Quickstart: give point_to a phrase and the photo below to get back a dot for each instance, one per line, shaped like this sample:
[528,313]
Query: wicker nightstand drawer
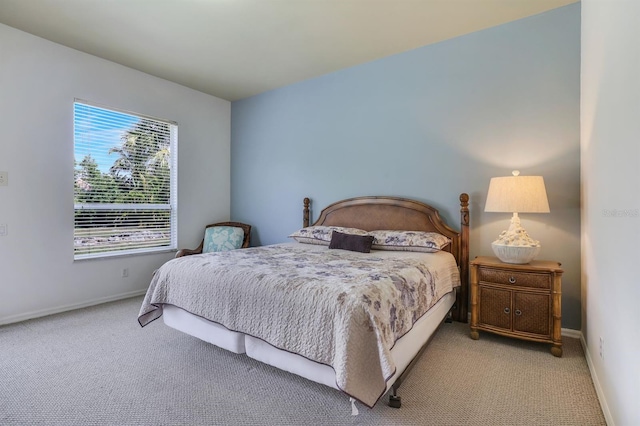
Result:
[522,279]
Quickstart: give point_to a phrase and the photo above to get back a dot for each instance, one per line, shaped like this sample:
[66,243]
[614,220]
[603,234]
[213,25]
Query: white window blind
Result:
[125,182]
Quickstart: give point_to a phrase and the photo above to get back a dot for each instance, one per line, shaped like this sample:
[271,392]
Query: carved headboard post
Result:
[305,213]
[464,257]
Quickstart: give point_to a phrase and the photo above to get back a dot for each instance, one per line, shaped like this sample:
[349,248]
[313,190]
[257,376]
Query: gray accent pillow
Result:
[322,234]
[360,243]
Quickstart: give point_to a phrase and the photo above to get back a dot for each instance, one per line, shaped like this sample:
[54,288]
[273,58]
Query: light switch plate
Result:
[4,178]
[4,229]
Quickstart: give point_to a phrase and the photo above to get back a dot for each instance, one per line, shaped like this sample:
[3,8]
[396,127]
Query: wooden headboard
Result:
[393,213]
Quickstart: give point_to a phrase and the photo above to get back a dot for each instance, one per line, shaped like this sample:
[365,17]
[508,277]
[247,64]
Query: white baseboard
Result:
[570,332]
[50,311]
[596,384]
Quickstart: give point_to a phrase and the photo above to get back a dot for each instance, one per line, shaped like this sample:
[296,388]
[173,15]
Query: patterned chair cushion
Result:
[222,238]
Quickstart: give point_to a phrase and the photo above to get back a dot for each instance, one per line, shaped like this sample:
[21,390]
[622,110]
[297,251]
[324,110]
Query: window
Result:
[124,184]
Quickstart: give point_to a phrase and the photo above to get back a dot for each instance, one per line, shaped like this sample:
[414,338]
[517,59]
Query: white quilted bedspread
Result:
[339,308]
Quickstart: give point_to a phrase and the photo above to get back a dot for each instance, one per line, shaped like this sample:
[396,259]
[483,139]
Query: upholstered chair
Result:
[221,236]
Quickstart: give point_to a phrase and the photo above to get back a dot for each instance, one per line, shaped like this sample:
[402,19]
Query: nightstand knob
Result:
[512,279]
[518,312]
[507,310]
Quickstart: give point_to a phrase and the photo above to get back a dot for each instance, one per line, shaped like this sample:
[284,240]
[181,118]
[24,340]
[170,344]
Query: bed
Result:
[349,320]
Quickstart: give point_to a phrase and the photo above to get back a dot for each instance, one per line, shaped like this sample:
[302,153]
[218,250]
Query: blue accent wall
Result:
[426,124]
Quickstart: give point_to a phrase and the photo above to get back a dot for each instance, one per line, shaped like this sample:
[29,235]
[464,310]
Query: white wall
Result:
[610,156]
[38,83]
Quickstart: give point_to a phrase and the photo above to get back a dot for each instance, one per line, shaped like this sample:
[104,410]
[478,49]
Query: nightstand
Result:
[522,301]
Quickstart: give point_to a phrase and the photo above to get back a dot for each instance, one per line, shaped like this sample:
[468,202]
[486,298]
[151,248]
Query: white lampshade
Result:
[517,194]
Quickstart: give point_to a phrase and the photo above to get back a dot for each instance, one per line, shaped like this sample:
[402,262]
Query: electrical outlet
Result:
[4,229]
[125,272]
[601,348]
[4,178]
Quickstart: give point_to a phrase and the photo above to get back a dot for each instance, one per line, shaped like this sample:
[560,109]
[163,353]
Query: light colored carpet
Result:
[96,366]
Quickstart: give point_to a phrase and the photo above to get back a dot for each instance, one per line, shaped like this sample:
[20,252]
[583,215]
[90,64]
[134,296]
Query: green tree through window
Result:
[124,196]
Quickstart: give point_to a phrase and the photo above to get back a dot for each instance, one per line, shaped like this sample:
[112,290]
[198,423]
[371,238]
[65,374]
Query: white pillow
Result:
[427,242]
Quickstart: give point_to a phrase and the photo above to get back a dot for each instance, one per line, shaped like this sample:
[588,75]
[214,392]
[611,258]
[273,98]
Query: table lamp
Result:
[516,194]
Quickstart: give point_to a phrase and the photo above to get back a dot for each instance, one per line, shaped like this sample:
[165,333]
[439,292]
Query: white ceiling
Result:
[238,48]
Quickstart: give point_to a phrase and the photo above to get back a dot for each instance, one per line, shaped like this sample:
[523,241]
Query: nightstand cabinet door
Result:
[531,313]
[496,308]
